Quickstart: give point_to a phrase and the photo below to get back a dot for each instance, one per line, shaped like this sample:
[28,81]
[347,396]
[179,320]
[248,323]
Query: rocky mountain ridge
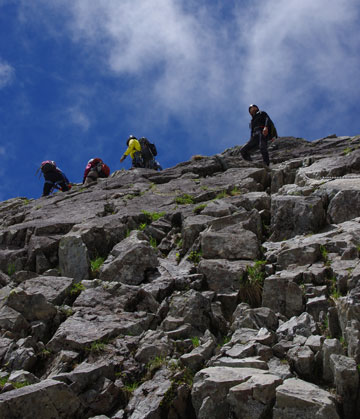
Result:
[218,288]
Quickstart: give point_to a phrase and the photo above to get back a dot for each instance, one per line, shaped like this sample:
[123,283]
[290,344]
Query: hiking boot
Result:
[246,156]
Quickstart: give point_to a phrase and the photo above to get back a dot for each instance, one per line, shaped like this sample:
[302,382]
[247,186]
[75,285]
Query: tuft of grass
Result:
[154,365]
[184,199]
[251,284]
[96,347]
[235,191]
[142,226]
[3,381]
[199,208]
[195,341]
[131,387]
[76,288]
[11,269]
[197,157]
[153,242]
[195,257]
[347,151]
[325,255]
[96,264]
[20,385]
[334,292]
[154,216]
[221,195]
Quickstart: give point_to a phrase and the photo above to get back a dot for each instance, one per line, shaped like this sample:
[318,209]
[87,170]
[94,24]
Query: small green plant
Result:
[96,347]
[343,343]
[67,311]
[153,242]
[154,216]
[21,384]
[45,353]
[155,364]
[324,326]
[76,288]
[179,243]
[26,201]
[96,264]
[195,341]
[347,151]
[128,232]
[204,188]
[334,293]
[11,269]
[221,195]
[235,191]
[178,257]
[131,387]
[184,199]
[195,257]
[224,341]
[251,283]
[3,381]
[199,208]
[325,255]
[142,226]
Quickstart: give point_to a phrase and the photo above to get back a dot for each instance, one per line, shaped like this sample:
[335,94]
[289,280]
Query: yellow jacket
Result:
[133,147]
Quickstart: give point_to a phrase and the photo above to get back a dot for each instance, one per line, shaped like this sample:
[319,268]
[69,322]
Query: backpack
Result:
[272,131]
[148,150]
[48,166]
[105,170]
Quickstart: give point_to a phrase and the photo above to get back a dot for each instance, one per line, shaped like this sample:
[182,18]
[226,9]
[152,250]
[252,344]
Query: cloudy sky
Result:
[78,76]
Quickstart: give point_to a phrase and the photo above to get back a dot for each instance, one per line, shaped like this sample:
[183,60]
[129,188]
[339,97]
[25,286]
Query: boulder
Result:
[283,295]
[303,325]
[211,388]
[346,380]
[240,244]
[74,261]
[129,261]
[293,215]
[297,398]
[47,399]
[254,398]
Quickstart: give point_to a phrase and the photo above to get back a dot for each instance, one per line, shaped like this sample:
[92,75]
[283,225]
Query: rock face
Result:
[213,289]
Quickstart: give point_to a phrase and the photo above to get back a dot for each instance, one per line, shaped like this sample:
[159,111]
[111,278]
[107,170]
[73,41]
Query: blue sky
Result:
[78,76]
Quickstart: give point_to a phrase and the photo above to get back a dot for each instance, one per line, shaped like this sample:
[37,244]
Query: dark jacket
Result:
[259,121]
[55,178]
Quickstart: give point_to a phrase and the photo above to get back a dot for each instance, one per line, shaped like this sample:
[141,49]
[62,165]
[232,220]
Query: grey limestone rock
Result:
[297,398]
[129,261]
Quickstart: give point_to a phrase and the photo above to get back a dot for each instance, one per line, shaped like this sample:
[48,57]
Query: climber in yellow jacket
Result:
[134,149]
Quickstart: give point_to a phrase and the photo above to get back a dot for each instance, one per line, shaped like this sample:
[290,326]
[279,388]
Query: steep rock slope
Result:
[217,288]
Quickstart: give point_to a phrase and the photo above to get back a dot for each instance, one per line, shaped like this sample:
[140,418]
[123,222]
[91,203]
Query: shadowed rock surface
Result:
[217,288]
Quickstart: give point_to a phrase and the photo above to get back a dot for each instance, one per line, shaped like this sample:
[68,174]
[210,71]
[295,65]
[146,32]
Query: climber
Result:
[260,125]
[54,178]
[94,169]
[134,149]
[148,153]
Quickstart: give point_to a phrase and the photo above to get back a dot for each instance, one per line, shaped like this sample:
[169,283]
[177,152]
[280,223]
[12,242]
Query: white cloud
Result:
[187,61]
[297,49]
[7,74]
[78,117]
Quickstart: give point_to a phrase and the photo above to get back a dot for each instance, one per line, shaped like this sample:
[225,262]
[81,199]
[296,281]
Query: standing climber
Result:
[54,178]
[148,153]
[94,169]
[134,149]
[260,128]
